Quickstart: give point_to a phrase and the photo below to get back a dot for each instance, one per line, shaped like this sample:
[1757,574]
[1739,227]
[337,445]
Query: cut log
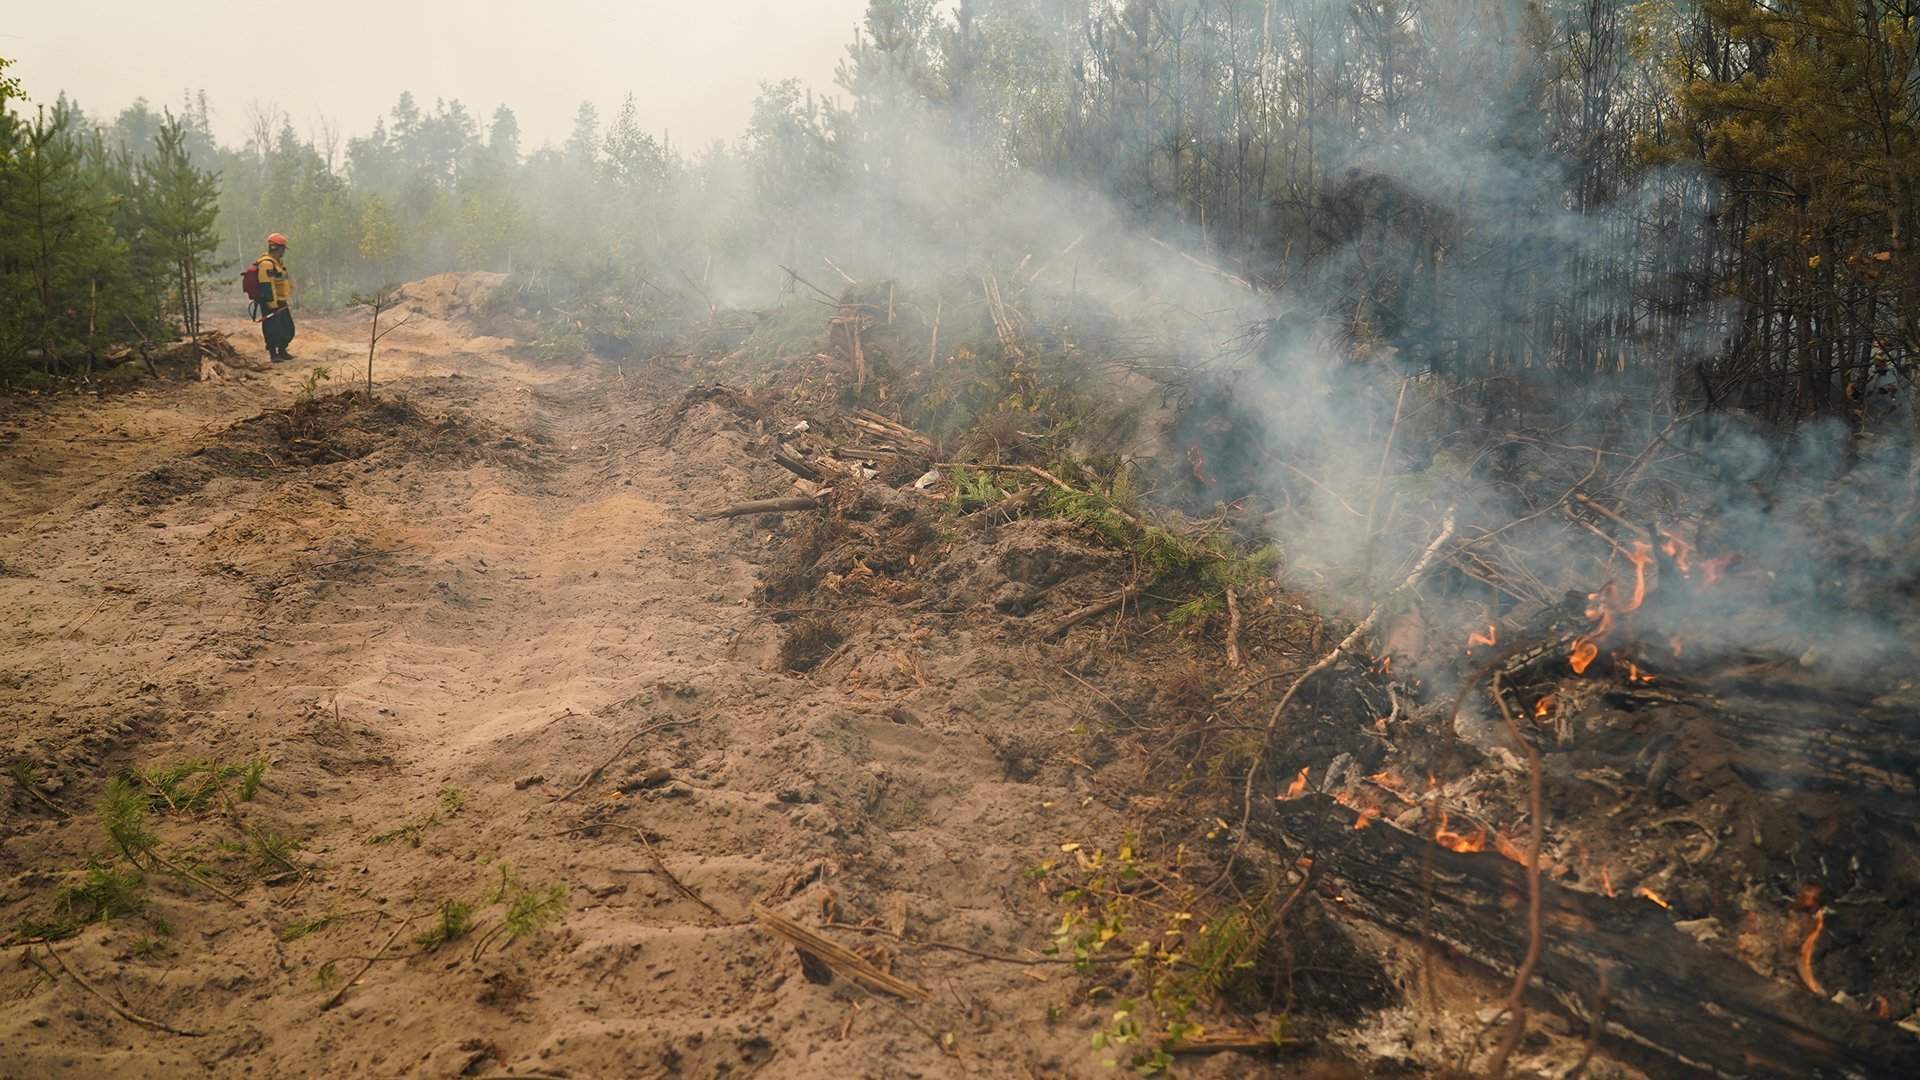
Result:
[797,467]
[1674,1004]
[761,506]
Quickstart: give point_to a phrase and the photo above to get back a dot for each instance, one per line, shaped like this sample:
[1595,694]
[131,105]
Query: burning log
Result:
[1674,1004]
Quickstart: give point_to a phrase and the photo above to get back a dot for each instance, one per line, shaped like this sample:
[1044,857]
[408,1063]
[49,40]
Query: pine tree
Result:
[58,242]
[180,206]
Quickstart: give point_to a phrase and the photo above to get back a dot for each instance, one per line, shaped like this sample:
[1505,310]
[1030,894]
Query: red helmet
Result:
[276,240]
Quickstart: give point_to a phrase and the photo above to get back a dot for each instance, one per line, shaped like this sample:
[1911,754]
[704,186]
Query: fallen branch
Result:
[340,994]
[761,506]
[125,1013]
[182,871]
[795,276]
[659,864]
[1091,611]
[797,467]
[842,960]
[1223,1042]
[602,767]
[1207,266]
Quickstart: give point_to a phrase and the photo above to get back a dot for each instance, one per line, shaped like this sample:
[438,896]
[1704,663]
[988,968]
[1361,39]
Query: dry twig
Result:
[340,994]
[1234,660]
[125,1013]
[602,767]
[836,956]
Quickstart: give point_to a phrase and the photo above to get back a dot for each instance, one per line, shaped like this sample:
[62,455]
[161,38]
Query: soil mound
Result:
[451,296]
[353,425]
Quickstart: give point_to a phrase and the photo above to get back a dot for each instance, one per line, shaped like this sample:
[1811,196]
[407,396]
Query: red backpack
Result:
[250,281]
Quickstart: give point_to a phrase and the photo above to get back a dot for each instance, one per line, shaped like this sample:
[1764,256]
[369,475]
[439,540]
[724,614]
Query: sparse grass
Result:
[192,786]
[973,489]
[1199,566]
[310,385]
[455,922]
[529,909]
[113,886]
[452,801]
[103,894]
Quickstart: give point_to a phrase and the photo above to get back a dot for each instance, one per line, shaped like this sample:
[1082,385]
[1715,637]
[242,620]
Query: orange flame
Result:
[1543,708]
[1299,785]
[1679,551]
[1600,610]
[1491,637]
[1713,569]
[1584,654]
[1367,814]
[1642,890]
[1634,674]
[1453,841]
[1806,952]
[1606,882]
[1642,556]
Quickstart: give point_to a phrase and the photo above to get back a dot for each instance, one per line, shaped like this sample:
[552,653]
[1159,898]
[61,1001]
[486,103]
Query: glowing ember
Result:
[1453,841]
[1809,898]
[1634,674]
[1491,637]
[1606,882]
[1806,952]
[1585,652]
[1367,814]
[1299,785]
[1642,890]
[1543,708]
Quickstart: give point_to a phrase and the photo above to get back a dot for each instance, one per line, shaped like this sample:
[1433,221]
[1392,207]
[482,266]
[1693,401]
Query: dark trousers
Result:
[277,328]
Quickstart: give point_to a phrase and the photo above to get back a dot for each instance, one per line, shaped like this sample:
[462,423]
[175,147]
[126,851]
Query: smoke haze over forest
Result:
[694,66]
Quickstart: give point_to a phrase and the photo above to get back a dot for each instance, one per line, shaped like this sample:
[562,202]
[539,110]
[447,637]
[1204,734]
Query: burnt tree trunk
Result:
[1674,1005]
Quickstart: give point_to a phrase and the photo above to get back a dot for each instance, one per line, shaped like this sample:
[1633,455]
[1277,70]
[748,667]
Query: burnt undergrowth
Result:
[1608,572]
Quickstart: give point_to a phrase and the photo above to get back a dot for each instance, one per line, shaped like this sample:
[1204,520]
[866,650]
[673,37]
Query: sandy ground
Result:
[407,631]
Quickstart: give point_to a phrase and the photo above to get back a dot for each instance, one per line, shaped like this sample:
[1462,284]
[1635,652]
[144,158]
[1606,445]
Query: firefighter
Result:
[275,292]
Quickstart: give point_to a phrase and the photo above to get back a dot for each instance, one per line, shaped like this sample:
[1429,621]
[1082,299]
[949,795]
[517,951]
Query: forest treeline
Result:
[1714,198]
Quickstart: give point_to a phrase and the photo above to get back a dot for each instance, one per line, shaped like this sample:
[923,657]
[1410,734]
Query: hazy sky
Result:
[694,65]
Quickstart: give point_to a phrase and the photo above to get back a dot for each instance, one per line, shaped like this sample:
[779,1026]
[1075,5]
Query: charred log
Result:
[1673,1003]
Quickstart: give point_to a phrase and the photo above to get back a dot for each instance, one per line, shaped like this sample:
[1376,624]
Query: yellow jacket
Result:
[276,285]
